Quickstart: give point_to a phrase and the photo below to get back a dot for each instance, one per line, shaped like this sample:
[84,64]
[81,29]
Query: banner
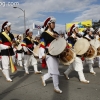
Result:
[82,25]
[13,67]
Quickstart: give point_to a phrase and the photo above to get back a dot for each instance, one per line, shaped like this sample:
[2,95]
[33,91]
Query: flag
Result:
[35,26]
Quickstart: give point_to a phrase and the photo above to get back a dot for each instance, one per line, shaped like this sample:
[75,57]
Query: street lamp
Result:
[24,19]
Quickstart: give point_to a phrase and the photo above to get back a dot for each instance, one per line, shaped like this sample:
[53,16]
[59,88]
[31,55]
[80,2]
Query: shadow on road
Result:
[13,87]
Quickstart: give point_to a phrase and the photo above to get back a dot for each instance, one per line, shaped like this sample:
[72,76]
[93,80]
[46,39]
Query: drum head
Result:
[36,51]
[67,56]
[81,46]
[57,46]
[95,43]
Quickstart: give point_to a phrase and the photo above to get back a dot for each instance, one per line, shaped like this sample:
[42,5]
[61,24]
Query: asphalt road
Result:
[29,87]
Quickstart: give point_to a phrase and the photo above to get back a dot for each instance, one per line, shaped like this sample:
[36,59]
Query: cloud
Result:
[37,9]
[91,13]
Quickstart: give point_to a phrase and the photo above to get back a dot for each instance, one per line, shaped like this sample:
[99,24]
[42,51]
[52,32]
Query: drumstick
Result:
[49,50]
[34,53]
[31,50]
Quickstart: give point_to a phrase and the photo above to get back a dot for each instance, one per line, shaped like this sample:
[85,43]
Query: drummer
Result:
[0,59]
[52,63]
[77,64]
[98,37]
[19,52]
[28,47]
[37,40]
[89,36]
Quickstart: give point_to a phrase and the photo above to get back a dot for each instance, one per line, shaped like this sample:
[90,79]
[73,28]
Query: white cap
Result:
[91,29]
[76,26]
[49,20]
[98,30]
[52,20]
[20,35]
[30,30]
[8,24]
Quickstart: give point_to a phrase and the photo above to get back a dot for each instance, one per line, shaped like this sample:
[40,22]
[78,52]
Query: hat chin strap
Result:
[51,28]
[75,31]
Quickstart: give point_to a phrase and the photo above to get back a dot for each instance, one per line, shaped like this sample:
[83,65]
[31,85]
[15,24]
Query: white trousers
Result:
[91,67]
[90,64]
[54,78]
[30,60]
[5,66]
[80,73]
[77,64]
[99,61]
[52,64]
[0,66]
[5,62]
[19,59]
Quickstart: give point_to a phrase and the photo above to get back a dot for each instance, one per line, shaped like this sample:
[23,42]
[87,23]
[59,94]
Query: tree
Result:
[96,24]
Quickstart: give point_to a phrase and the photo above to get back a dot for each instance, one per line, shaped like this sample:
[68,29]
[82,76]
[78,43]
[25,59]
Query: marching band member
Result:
[98,37]
[28,55]
[19,52]
[77,64]
[37,40]
[89,36]
[66,36]
[6,39]
[52,63]
[0,61]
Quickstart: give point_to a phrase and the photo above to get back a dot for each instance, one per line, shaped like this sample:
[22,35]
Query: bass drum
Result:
[81,46]
[67,56]
[36,51]
[57,46]
[98,51]
[91,53]
[95,43]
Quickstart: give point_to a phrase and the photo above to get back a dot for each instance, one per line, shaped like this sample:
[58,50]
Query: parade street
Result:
[29,87]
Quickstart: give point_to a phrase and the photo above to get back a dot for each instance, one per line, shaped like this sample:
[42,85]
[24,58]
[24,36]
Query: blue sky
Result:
[65,11]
